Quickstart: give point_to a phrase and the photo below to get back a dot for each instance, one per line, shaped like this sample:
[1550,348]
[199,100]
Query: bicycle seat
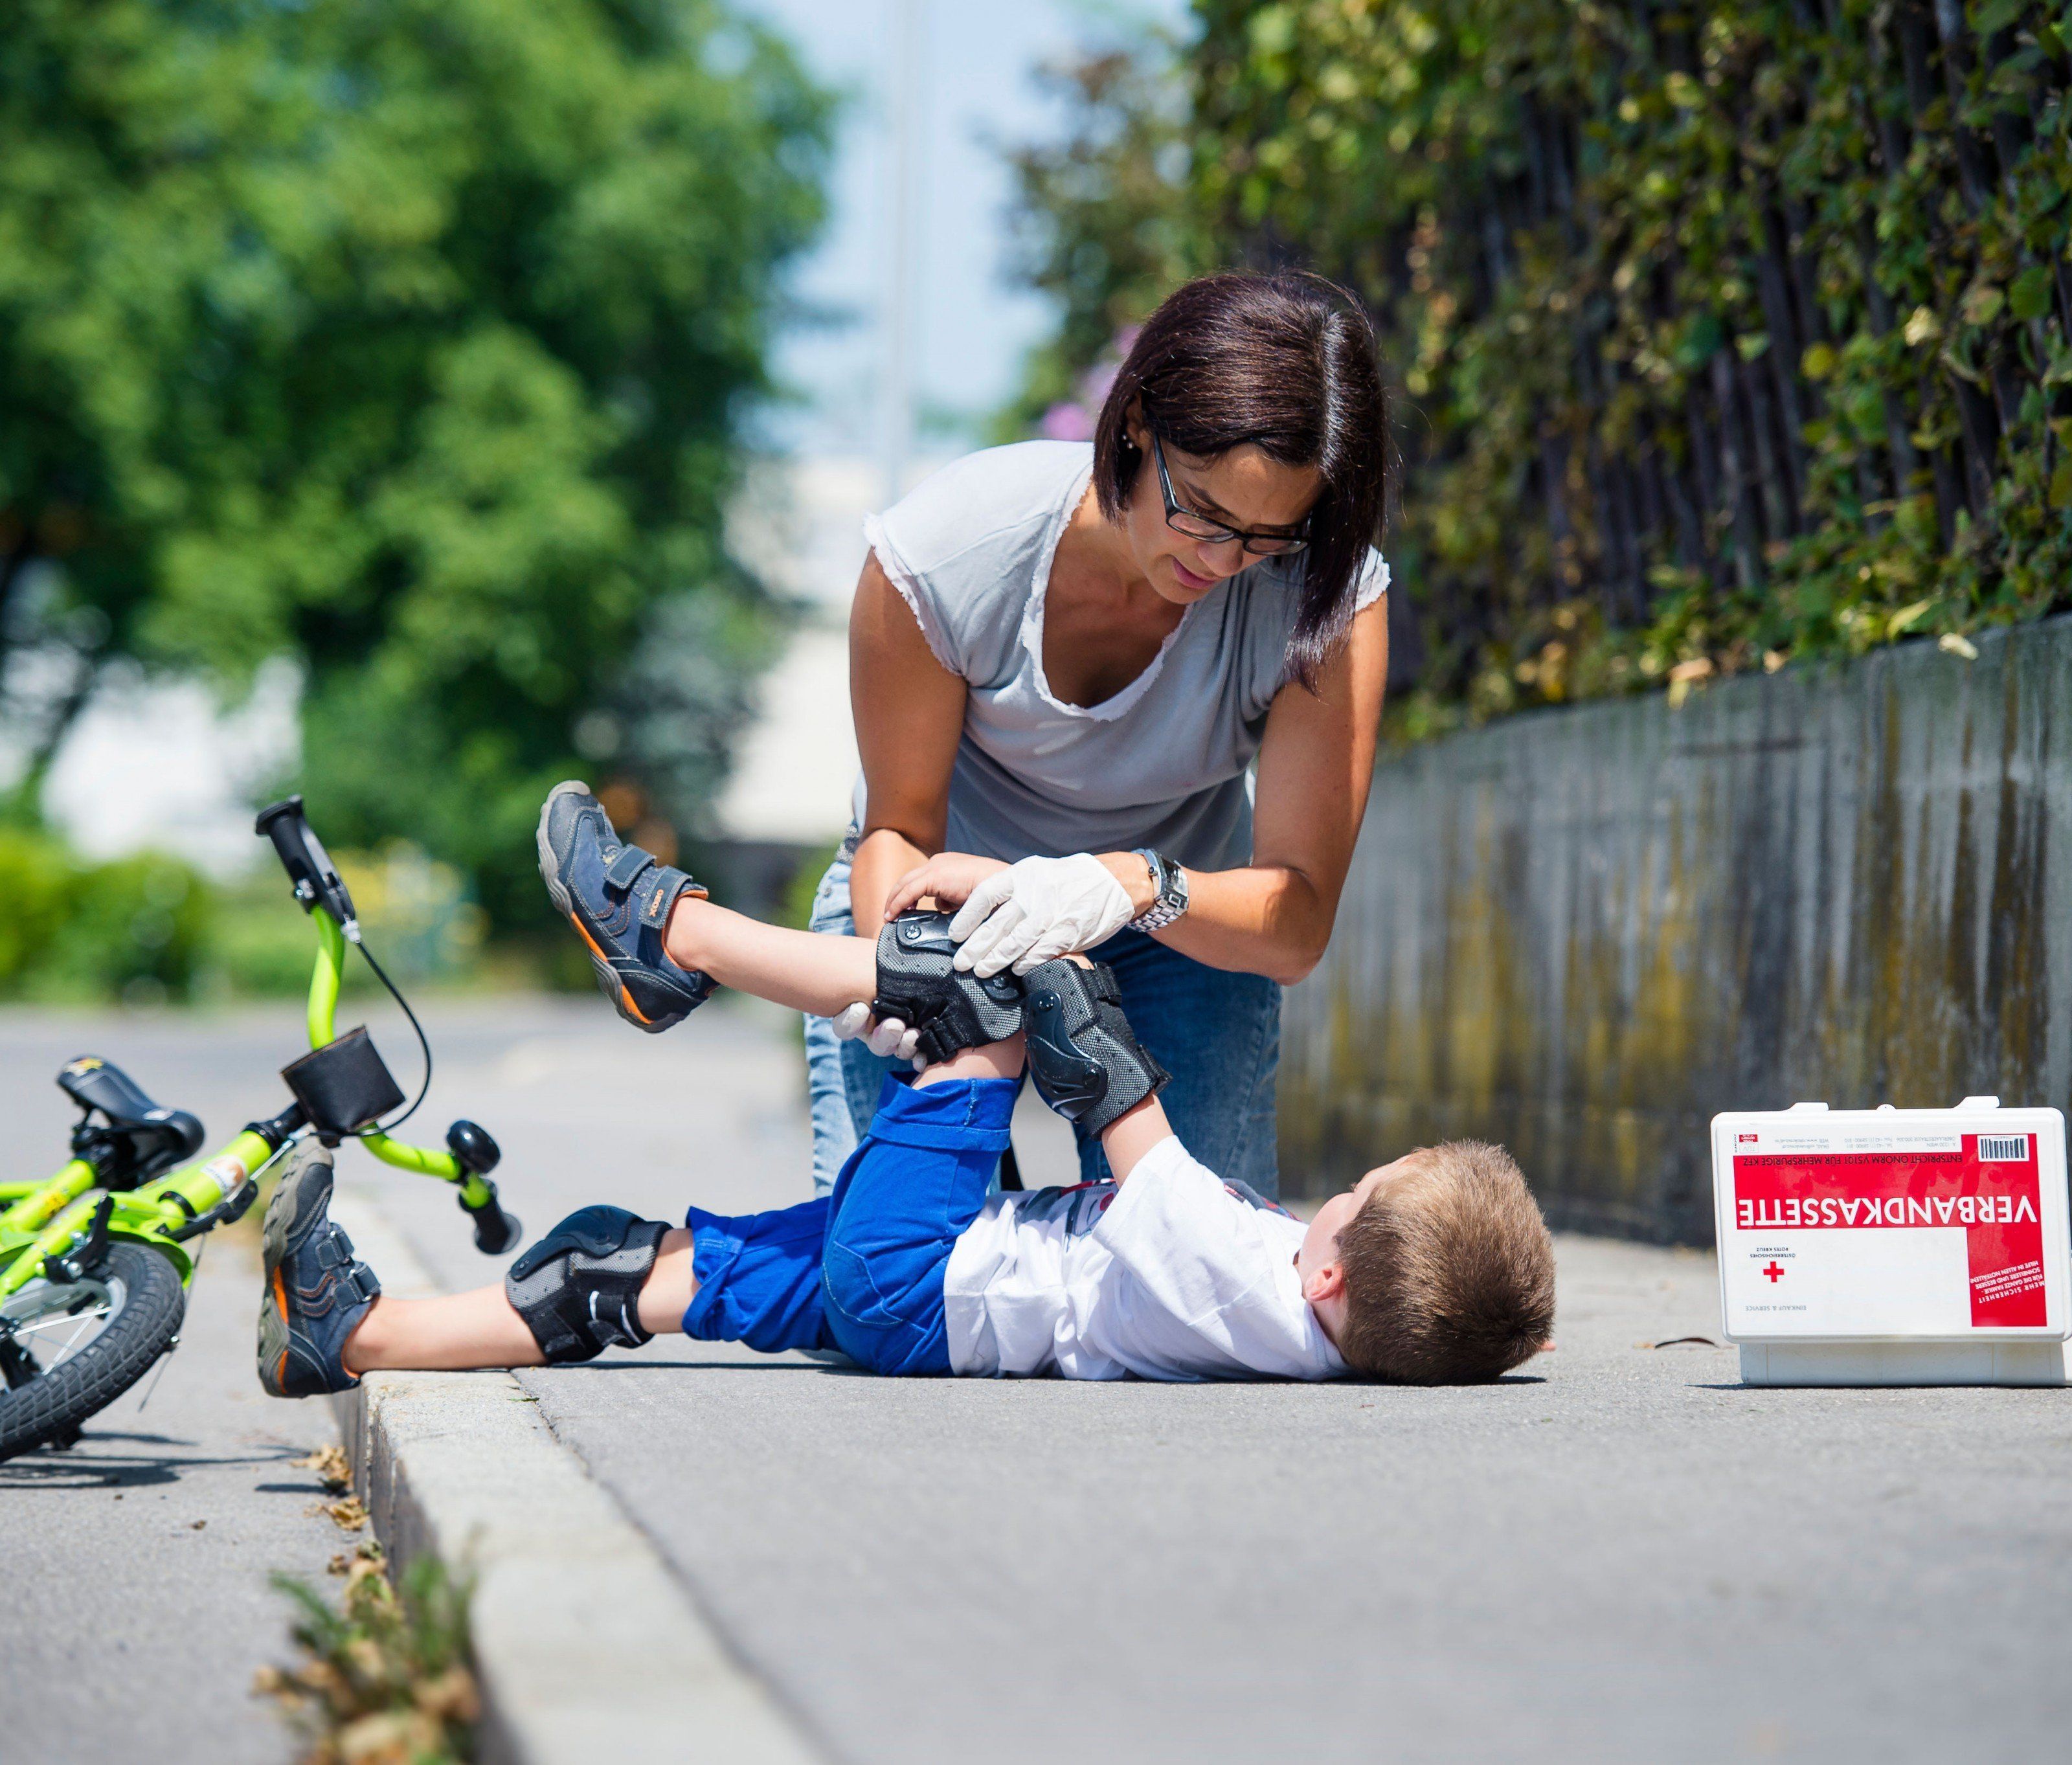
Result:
[154,1138]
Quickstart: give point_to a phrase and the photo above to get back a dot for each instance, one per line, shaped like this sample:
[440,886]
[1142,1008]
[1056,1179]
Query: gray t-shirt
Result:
[1162,763]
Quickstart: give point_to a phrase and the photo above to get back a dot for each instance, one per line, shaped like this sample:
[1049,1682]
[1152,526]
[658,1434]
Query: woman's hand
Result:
[1029,912]
[949,877]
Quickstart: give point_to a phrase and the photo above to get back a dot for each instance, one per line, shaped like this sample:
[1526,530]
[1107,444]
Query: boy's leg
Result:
[483,1329]
[601,1278]
[323,1319]
[912,1188]
[657,942]
[820,972]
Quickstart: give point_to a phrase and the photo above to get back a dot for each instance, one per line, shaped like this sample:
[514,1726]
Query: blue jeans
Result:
[1218,1033]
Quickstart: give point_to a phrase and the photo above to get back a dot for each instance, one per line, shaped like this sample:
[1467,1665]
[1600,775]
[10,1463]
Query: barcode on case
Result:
[2002,1149]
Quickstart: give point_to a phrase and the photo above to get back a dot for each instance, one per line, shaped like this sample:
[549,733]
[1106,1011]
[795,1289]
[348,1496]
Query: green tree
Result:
[1100,224]
[410,338]
[1726,332]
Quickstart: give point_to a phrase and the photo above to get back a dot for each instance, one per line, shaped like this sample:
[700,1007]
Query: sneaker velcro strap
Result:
[333,1250]
[364,1282]
[668,885]
[626,863]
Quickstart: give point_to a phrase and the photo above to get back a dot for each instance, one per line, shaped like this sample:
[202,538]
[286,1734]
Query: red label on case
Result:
[1993,1202]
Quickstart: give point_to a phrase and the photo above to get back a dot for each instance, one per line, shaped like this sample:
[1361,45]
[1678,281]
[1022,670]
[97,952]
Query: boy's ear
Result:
[1327,1282]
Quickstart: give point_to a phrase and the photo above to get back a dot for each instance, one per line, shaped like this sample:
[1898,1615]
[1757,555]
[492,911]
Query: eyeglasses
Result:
[1213,532]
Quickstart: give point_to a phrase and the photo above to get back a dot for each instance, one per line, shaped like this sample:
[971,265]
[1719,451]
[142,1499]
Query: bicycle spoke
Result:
[42,1311]
[56,1318]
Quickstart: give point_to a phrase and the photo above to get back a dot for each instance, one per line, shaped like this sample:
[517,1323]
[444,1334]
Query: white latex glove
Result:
[1038,909]
[889,1038]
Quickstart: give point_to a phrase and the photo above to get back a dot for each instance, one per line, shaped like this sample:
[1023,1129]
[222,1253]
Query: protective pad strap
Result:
[1085,1058]
[578,1289]
[918,982]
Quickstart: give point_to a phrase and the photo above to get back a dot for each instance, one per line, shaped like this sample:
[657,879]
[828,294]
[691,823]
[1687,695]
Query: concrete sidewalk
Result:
[1620,1554]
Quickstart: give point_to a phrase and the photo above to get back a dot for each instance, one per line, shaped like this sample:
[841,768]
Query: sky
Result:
[972,327]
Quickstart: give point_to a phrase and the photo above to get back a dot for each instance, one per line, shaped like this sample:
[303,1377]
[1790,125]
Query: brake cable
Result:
[424,1042]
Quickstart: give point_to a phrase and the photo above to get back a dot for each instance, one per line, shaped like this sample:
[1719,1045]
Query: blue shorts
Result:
[861,1269]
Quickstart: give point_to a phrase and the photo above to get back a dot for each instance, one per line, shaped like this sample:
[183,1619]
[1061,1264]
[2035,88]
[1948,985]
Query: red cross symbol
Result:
[1773,1272]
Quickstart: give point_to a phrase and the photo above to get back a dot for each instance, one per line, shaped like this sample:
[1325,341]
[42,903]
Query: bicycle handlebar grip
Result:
[496,1228]
[302,855]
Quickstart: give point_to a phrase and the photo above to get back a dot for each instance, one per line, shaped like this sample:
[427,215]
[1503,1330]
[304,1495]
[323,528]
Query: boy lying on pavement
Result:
[1436,1268]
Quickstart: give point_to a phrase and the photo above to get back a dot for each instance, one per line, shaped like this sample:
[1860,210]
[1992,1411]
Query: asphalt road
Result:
[1619,1555]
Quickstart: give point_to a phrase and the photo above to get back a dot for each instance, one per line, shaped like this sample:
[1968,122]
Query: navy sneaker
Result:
[316,1290]
[619,896]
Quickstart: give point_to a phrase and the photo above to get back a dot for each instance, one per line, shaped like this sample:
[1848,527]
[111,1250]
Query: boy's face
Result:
[1316,1262]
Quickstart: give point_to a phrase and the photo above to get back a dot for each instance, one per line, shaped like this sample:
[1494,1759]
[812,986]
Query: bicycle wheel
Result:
[79,1345]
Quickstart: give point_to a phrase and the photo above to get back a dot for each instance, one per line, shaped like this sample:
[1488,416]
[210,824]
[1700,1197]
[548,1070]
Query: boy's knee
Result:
[578,1289]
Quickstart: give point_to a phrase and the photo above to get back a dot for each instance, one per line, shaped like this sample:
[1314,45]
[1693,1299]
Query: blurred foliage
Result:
[1100,226]
[1728,333]
[136,929]
[149,929]
[418,914]
[409,338]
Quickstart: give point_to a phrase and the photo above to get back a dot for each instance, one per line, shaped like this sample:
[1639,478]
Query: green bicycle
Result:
[95,1260]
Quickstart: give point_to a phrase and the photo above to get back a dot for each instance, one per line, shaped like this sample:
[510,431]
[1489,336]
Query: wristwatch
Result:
[1170,881]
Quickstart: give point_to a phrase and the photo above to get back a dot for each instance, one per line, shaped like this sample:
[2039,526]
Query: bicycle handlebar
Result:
[471,1153]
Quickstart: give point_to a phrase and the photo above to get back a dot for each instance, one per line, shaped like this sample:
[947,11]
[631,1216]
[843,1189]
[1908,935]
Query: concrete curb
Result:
[585,1645]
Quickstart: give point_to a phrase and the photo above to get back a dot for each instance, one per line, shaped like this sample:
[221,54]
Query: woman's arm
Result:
[909,712]
[1274,917]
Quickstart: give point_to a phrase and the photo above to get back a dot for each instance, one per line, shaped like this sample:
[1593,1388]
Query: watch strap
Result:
[1170,900]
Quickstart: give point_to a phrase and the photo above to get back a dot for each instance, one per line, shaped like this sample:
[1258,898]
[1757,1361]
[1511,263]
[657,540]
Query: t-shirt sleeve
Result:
[1215,1265]
[1275,601]
[963,548]
[905,575]
[1373,581]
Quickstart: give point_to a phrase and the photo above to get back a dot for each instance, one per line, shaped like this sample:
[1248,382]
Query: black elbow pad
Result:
[920,983]
[1085,1058]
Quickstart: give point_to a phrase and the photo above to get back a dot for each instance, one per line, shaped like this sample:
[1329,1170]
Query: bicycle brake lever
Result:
[89,1250]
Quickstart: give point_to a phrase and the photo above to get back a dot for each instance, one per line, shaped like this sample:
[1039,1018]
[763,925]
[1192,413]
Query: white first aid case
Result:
[1894,1247]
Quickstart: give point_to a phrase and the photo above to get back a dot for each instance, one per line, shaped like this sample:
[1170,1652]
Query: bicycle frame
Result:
[59,1215]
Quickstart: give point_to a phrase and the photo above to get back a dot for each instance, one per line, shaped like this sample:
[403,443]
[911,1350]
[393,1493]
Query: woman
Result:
[1062,660]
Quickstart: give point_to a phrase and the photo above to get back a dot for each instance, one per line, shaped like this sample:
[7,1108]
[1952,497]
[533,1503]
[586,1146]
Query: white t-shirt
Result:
[1174,1274]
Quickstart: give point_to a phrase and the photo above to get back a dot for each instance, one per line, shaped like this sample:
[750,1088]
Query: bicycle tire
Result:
[56,1404]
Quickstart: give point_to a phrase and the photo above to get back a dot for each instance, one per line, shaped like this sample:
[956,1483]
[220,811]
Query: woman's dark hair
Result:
[1286,362]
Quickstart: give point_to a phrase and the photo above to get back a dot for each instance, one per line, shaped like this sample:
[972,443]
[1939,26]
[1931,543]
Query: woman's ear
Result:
[1135,435]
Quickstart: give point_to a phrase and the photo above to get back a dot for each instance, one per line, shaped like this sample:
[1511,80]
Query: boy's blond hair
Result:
[1449,1271]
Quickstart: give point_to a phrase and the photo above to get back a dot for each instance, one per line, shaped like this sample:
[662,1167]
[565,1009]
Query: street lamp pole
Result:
[906,21]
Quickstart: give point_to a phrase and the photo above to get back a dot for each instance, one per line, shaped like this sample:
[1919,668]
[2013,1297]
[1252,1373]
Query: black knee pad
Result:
[918,983]
[578,1289]
[1085,1058]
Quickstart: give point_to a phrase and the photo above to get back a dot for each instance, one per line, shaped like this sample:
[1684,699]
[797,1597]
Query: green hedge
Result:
[1724,333]
[148,929]
[134,929]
